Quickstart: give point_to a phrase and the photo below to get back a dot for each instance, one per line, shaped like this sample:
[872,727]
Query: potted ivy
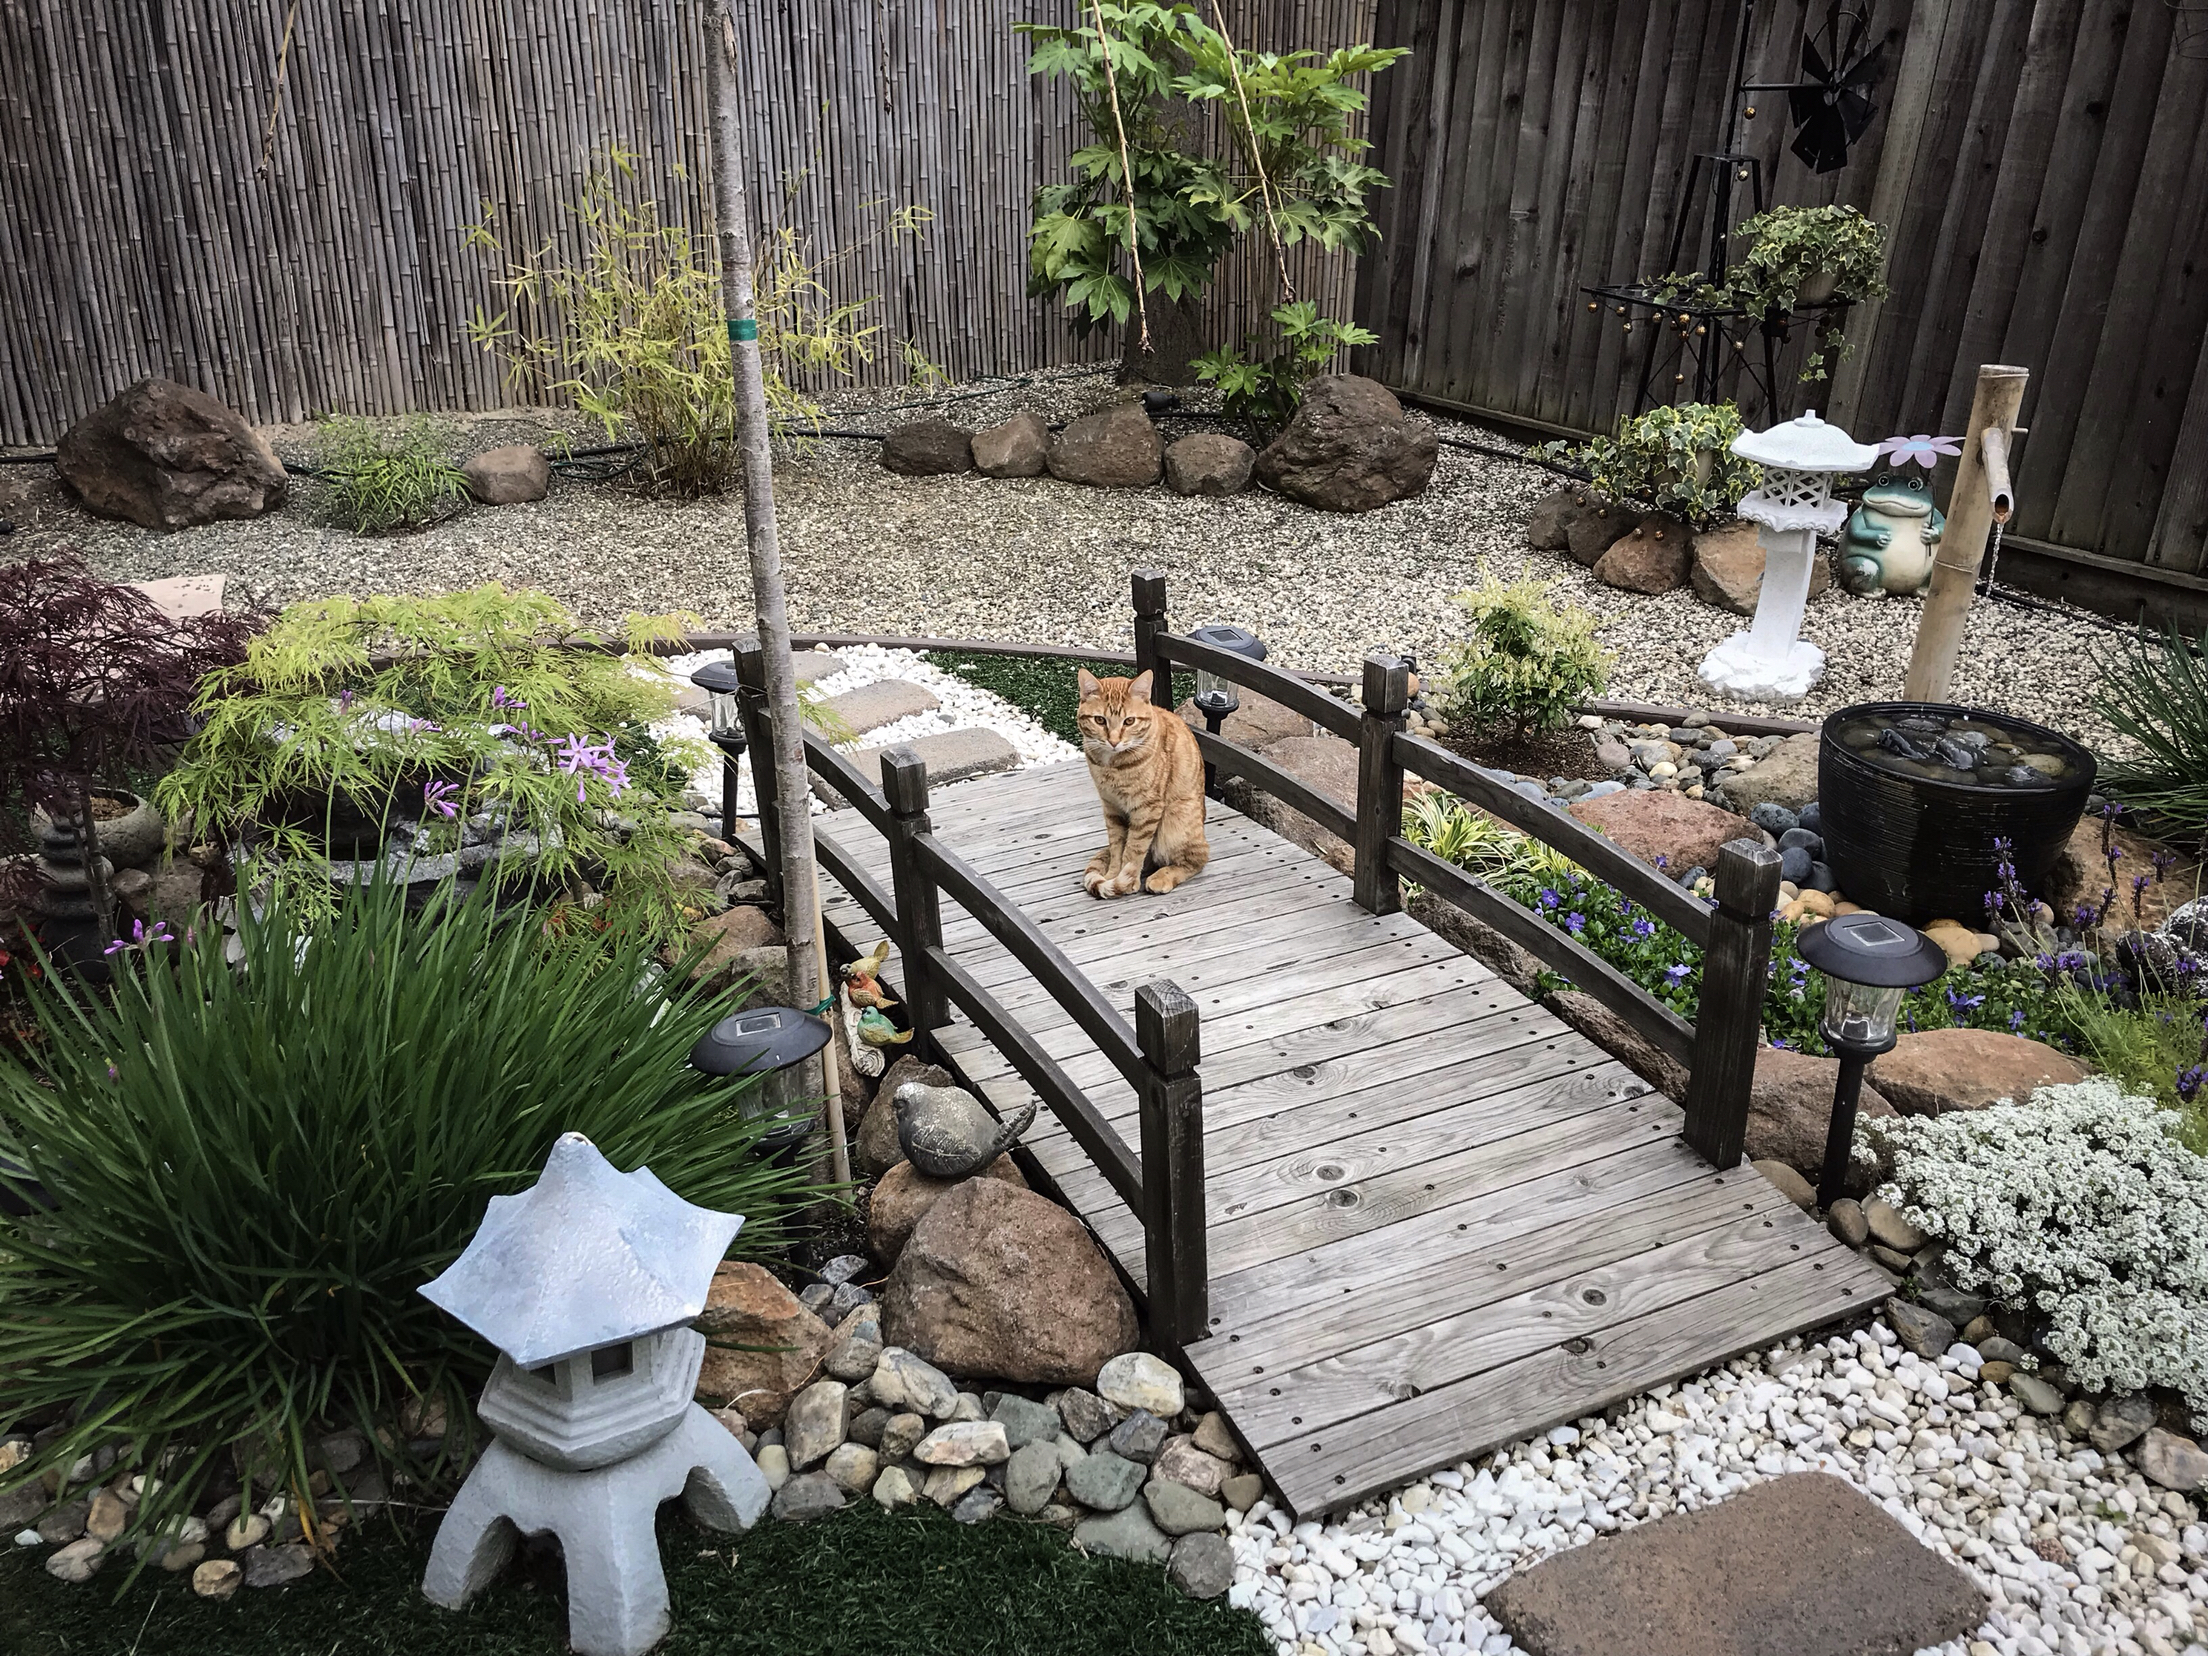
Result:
[1804,256]
[1677,460]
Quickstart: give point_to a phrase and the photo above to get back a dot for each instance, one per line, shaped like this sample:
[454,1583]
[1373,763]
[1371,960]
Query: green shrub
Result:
[1268,391]
[2155,1050]
[253,1169]
[443,709]
[380,477]
[2154,696]
[1527,662]
[636,332]
[1791,246]
[1676,460]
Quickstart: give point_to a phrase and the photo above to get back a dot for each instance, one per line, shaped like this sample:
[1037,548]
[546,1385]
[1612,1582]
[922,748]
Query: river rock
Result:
[511,475]
[1846,1222]
[894,1488]
[1889,1228]
[1349,448]
[1656,822]
[1787,776]
[901,1434]
[1025,1421]
[814,1422]
[1018,448]
[2121,1422]
[1031,1477]
[1116,449]
[1000,1282]
[1790,1110]
[1937,1070]
[2037,1395]
[858,1345]
[854,1467]
[1138,1438]
[2173,1462]
[1181,1462]
[1105,1481]
[1127,1533]
[904,1196]
[1201,1565]
[964,1443]
[275,1566]
[909,1383]
[1242,1491]
[807,1496]
[1926,1333]
[78,1561]
[1137,1380]
[165,456]
[1087,1416]
[927,448]
[947,1485]
[1652,558]
[1209,463]
[1179,1510]
[747,1307]
[218,1578]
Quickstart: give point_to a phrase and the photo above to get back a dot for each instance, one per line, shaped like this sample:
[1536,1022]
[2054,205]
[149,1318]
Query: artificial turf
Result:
[862,1581]
[1041,686]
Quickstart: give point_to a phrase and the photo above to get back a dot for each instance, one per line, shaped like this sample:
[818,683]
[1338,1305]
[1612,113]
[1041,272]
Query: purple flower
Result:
[438,797]
[1548,899]
[417,726]
[141,937]
[1575,923]
[2084,915]
[504,702]
[1677,974]
[344,701]
[1921,450]
[578,758]
[2189,1080]
[1958,1002]
[1642,930]
[2016,1020]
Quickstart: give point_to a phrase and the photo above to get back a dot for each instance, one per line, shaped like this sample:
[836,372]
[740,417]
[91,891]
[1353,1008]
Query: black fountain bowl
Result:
[1921,850]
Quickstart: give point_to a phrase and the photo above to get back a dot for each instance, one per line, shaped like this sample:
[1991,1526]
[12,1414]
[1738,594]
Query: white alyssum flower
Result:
[2081,1205]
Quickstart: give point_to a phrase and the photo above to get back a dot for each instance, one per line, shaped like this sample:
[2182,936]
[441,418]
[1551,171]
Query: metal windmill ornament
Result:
[586,1283]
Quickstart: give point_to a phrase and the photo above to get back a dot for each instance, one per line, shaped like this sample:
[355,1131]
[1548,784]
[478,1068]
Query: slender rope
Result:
[1264,185]
[276,98]
[1126,171]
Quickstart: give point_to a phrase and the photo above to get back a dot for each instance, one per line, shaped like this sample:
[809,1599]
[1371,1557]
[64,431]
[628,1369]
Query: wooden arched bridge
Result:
[1388,1210]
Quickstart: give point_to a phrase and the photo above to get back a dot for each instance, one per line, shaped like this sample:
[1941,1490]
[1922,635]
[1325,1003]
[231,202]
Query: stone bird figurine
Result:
[946,1134]
[877,1031]
[859,978]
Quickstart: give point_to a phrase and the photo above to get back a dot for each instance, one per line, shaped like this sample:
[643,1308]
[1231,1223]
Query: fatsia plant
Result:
[238,1176]
[1266,391]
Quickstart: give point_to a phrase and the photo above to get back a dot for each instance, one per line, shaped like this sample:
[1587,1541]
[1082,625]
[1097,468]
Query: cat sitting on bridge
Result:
[1149,774]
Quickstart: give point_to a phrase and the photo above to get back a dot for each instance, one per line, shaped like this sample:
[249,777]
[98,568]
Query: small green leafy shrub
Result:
[635,334]
[1190,204]
[2080,1207]
[1267,391]
[1526,663]
[252,1169]
[382,477]
[2154,696]
[2157,1049]
[1677,460]
[457,712]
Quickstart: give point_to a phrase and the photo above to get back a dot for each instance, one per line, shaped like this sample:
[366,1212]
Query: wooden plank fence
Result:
[2041,169]
[142,237]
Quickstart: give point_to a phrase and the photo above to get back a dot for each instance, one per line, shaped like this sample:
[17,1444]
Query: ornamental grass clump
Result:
[244,1173]
[2080,1207]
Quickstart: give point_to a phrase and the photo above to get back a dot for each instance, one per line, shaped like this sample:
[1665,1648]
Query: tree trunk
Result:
[88,845]
[792,784]
[1176,340]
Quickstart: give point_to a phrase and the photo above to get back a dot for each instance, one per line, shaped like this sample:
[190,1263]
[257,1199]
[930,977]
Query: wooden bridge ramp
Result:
[1439,1218]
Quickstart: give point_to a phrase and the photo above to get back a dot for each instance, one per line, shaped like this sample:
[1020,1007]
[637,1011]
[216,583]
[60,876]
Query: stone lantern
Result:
[1771,661]
[585,1283]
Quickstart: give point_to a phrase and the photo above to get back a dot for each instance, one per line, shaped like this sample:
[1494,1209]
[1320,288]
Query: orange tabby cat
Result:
[1149,774]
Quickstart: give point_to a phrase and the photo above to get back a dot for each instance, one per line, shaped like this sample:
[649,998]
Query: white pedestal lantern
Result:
[584,1282]
[1771,661]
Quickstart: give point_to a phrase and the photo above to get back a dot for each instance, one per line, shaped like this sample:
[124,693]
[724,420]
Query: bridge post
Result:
[919,904]
[751,709]
[1729,1022]
[1387,696]
[1176,1251]
[1150,623]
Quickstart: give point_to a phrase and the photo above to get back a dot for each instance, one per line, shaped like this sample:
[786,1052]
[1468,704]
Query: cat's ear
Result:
[1139,691]
[1085,682]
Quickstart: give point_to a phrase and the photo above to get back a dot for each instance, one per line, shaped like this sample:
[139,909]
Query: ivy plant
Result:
[1789,247]
[1677,460]
[1166,69]
[1266,391]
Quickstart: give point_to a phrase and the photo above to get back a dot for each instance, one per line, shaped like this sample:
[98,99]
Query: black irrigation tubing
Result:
[27,459]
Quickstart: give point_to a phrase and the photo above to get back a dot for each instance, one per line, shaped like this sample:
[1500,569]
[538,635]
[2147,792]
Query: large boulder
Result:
[1256,722]
[1653,558]
[1549,524]
[2080,874]
[1117,449]
[761,1344]
[1325,764]
[168,457]
[1349,448]
[728,937]
[997,1281]
[1622,1041]
[1790,1109]
[905,1196]
[1728,568]
[1597,523]
[927,448]
[876,1147]
[511,475]
[1209,463]
[1657,822]
[1787,776]
[1938,1070]
[1018,448]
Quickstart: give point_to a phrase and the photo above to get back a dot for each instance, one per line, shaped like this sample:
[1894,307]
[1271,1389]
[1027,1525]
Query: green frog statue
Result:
[1891,537]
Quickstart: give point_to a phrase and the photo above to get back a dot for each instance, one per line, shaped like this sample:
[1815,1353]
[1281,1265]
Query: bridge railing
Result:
[1157,1057]
[1718,1049]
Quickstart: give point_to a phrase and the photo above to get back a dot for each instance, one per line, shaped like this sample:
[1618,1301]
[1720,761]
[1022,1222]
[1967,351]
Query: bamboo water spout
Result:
[1982,497]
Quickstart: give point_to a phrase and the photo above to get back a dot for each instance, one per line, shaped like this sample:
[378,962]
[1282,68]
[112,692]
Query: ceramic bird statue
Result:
[946,1134]
[860,978]
[877,1031]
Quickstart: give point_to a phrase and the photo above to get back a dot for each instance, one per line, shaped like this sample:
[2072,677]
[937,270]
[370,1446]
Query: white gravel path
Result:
[1961,1466]
[1047,562]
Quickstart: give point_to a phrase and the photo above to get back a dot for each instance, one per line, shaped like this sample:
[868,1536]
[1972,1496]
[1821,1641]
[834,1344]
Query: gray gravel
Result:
[1047,562]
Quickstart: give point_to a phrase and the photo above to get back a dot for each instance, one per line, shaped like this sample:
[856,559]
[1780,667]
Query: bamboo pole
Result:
[792,785]
[1970,520]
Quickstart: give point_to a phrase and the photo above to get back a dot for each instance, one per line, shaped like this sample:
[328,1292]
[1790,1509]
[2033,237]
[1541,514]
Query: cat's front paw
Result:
[1126,881]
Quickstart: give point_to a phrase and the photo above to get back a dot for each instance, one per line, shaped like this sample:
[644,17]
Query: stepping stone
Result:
[1799,1566]
[181,597]
[871,706]
[950,755]
[814,665]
